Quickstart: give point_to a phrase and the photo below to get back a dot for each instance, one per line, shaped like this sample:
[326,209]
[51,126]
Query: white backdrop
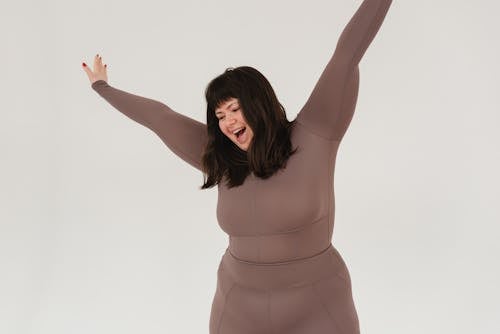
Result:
[104,230]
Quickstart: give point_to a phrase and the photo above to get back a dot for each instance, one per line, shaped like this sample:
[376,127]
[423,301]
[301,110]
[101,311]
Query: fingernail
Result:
[84,64]
[106,65]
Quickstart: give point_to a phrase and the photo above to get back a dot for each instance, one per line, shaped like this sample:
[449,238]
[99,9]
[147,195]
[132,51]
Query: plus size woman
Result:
[280,272]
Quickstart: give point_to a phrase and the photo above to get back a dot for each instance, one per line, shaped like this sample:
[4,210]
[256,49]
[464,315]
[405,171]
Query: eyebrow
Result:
[219,111]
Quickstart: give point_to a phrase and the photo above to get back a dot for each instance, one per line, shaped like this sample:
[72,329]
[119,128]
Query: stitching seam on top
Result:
[285,232]
[310,131]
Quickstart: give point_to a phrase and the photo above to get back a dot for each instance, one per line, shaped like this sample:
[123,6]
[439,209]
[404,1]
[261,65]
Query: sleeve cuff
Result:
[99,83]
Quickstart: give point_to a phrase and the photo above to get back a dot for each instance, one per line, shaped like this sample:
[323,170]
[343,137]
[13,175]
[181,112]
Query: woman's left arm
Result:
[330,107]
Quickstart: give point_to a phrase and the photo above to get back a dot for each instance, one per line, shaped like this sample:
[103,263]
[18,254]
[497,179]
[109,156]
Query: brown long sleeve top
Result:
[291,214]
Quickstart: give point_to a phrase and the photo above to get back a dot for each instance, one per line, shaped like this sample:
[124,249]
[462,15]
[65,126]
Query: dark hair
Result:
[270,147]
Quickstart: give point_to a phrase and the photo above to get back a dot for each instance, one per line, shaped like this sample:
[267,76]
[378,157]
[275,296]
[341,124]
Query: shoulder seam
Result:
[314,133]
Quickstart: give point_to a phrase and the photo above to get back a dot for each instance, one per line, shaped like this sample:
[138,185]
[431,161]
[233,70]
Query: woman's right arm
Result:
[185,136]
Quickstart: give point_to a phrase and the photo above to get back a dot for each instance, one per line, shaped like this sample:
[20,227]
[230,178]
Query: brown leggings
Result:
[311,295]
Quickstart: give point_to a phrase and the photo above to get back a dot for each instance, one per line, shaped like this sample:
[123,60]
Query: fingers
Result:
[88,70]
[99,71]
[97,63]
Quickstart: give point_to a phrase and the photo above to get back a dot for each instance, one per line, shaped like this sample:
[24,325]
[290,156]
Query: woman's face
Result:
[231,119]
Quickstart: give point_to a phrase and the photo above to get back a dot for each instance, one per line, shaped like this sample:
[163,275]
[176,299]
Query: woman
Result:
[280,272]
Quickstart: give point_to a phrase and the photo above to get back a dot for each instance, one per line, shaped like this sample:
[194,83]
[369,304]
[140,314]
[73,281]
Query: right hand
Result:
[99,72]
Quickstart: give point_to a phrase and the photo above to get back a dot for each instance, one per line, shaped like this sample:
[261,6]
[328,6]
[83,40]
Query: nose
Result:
[231,119]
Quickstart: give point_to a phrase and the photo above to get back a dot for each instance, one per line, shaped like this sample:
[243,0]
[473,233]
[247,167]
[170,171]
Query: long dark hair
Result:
[270,147]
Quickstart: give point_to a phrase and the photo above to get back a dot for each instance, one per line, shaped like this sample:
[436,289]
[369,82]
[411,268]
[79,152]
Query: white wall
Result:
[104,230]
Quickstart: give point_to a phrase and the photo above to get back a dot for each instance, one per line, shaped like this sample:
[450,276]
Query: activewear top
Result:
[290,215]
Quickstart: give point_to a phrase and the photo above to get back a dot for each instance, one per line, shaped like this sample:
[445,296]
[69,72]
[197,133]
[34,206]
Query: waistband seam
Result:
[280,262]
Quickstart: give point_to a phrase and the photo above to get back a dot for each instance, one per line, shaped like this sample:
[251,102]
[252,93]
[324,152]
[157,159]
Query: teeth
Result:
[234,132]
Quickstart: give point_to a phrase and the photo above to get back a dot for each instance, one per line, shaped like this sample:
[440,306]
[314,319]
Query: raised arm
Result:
[185,136]
[330,107]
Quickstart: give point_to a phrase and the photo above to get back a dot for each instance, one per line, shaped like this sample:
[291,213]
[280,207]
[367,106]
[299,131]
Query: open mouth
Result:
[239,133]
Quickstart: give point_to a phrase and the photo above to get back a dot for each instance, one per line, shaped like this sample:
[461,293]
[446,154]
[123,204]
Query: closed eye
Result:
[233,111]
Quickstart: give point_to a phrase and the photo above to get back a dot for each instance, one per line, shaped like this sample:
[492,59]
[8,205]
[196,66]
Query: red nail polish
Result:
[84,64]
